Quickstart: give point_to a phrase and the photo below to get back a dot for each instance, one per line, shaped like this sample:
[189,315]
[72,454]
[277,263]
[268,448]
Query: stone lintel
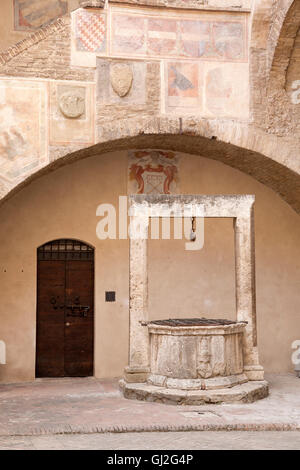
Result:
[233,206]
[206,5]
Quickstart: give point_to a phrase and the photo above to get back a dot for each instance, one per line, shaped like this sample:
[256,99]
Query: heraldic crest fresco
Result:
[153,172]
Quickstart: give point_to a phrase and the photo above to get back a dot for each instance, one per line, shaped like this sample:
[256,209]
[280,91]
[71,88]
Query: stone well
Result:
[196,354]
[194,361]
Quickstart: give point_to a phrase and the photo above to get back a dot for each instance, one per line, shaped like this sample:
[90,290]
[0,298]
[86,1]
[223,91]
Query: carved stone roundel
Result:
[121,78]
[71,104]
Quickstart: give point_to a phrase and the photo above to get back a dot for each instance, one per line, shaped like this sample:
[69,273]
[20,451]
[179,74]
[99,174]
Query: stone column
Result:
[138,368]
[245,292]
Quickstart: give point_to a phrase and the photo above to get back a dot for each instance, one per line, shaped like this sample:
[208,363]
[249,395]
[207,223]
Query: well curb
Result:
[248,392]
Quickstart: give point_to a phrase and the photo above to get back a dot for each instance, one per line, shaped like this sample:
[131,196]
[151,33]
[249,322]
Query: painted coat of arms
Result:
[32,14]
[153,172]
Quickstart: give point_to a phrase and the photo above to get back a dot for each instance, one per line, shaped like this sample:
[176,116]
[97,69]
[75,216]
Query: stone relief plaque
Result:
[122,83]
[121,78]
[71,113]
[71,104]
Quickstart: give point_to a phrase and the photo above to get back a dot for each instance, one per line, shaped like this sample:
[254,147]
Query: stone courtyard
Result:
[92,406]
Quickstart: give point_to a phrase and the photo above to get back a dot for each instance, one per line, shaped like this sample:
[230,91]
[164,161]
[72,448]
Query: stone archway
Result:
[274,30]
[283,86]
[267,158]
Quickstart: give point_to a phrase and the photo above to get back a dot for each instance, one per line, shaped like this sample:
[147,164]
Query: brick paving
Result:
[89,405]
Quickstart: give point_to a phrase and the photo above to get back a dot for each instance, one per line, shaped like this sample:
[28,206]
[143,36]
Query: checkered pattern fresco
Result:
[90,31]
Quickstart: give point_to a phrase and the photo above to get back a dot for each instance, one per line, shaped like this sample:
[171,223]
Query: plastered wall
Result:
[63,204]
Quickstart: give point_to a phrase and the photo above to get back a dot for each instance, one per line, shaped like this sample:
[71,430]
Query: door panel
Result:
[79,324]
[50,319]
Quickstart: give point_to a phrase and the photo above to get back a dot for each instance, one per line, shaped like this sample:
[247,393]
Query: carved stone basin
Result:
[196,354]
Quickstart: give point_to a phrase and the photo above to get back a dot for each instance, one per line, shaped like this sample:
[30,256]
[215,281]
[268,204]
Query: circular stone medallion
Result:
[71,104]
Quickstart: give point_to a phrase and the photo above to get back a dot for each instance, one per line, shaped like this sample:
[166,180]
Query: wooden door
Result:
[79,337]
[65,310]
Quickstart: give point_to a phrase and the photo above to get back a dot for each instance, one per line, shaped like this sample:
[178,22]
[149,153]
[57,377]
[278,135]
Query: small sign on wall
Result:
[110,296]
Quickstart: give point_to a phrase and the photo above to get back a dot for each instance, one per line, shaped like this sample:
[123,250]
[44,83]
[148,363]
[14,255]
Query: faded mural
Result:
[184,85]
[32,14]
[23,128]
[209,38]
[208,89]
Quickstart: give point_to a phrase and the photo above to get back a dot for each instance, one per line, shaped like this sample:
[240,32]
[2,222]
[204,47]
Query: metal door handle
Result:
[78,310]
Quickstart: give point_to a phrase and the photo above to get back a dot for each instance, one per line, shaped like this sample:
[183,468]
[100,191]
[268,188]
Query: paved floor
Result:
[201,440]
[55,406]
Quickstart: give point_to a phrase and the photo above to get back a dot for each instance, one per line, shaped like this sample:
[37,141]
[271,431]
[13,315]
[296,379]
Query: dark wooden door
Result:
[65,312]
[79,337]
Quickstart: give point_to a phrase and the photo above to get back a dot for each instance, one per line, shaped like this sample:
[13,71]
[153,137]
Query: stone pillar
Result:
[139,367]
[245,292]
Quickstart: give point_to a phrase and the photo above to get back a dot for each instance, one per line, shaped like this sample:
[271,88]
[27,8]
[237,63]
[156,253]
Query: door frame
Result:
[93,249]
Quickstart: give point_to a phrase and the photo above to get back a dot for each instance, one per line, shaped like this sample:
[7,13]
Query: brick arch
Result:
[283,116]
[246,149]
[286,40]
[274,28]
[267,24]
